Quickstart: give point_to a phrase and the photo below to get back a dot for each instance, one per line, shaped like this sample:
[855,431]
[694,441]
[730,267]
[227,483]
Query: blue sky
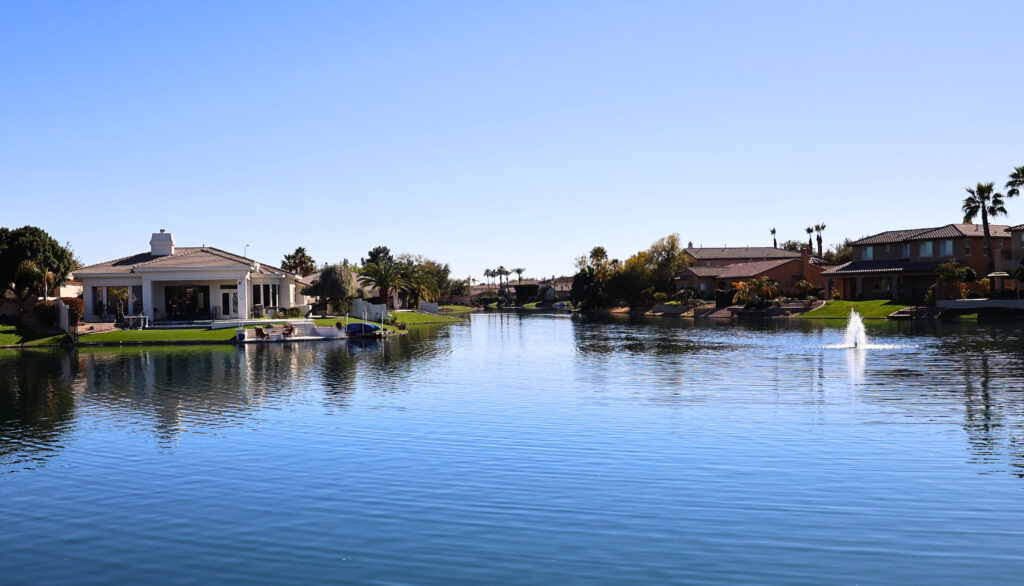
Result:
[486,133]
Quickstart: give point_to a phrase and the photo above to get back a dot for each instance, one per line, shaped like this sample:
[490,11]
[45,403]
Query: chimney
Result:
[805,257]
[161,244]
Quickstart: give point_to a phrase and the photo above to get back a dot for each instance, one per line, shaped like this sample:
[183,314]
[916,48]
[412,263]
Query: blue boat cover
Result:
[360,328]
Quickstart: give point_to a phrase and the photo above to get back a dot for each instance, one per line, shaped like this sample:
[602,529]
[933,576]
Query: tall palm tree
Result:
[500,271]
[810,245]
[985,200]
[1015,183]
[383,275]
[519,271]
[819,228]
[488,273]
[775,243]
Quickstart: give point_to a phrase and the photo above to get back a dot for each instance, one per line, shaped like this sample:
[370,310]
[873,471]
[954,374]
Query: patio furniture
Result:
[289,330]
[260,334]
[141,321]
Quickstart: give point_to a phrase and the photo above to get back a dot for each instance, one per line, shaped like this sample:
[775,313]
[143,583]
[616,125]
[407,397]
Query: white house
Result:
[170,283]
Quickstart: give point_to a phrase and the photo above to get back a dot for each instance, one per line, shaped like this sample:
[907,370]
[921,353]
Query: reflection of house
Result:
[723,266]
[170,283]
[900,264]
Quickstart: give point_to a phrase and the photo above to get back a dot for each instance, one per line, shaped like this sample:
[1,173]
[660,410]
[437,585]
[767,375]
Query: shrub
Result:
[973,295]
[929,296]
[293,312]
[836,296]
[810,300]
[278,314]
[76,307]
[46,313]
[684,295]
[674,303]
[660,297]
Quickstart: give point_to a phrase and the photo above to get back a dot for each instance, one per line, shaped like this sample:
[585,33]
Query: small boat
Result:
[363,330]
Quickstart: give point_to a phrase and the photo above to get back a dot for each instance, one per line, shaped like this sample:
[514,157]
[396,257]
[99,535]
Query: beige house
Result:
[179,283]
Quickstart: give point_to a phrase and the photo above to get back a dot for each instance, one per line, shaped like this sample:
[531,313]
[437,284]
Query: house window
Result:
[256,299]
[967,248]
[867,253]
[945,248]
[905,250]
[886,248]
[926,248]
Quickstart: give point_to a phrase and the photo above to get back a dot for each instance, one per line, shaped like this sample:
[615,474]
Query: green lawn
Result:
[457,308]
[874,309]
[178,335]
[15,336]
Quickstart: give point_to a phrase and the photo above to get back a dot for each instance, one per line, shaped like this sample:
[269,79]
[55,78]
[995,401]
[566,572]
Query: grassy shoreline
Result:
[874,309]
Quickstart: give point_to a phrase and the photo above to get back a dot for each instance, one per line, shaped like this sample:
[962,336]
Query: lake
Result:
[517,448]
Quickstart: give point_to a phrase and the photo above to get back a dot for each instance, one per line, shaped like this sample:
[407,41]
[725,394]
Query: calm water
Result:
[510,448]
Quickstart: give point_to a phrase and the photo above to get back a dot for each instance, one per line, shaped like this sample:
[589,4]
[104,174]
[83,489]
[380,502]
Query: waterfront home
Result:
[173,283]
[717,268]
[901,264]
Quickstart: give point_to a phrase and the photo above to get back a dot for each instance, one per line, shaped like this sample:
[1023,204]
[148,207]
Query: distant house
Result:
[719,268]
[901,264]
[171,282]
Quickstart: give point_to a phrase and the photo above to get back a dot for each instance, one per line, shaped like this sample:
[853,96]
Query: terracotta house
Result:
[716,270]
[901,264]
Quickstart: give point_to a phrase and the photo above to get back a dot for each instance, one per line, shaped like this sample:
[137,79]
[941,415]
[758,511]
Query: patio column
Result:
[106,310]
[147,297]
[243,297]
[88,301]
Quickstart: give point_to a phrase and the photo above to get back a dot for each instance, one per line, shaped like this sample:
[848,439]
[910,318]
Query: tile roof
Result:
[740,270]
[184,257]
[751,269]
[1016,228]
[947,231]
[739,252]
[861,267]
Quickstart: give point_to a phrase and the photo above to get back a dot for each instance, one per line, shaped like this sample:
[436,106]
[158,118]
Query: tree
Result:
[337,286]
[667,258]
[819,228]
[985,200]
[519,272]
[775,243]
[1015,183]
[792,245]
[839,253]
[415,282]
[299,262]
[488,273]
[383,275]
[377,255]
[118,298]
[810,244]
[500,272]
[33,244]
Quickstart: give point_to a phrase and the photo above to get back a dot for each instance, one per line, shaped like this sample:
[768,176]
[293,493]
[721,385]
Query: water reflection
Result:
[37,402]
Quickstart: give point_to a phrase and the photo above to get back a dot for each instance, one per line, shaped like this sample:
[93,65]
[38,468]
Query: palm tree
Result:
[985,200]
[384,276]
[500,272]
[775,243]
[1016,182]
[519,271]
[819,228]
[810,245]
[415,283]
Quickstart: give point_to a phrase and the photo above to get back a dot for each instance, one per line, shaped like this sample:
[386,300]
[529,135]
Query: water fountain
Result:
[855,336]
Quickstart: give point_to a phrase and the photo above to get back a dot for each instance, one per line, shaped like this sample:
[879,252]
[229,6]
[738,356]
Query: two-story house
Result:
[901,264]
[717,268]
